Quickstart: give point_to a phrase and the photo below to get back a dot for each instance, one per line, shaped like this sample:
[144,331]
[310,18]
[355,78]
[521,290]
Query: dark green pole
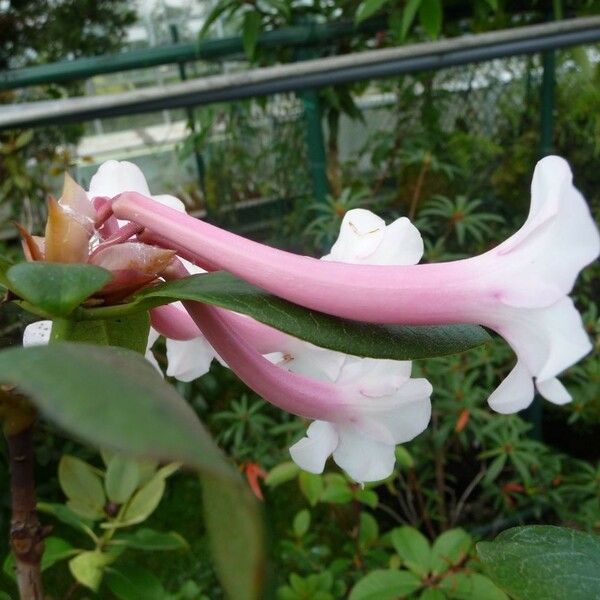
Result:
[315,143]
[200,169]
[313,123]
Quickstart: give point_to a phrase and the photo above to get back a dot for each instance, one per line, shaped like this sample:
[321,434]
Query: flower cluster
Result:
[360,407]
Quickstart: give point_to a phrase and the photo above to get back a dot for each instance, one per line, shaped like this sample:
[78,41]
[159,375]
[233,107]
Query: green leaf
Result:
[148,539]
[113,398]
[467,586]
[494,469]
[541,561]
[408,16]
[250,29]
[121,479]
[55,550]
[385,585]
[282,473]
[236,538]
[311,486]
[404,457]
[393,342]
[413,548]
[134,584]
[432,594]
[88,568]
[430,16]
[367,9]
[449,549]
[144,502]
[127,331]
[56,288]
[83,487]
[66,515]
[301,523]
[368,530]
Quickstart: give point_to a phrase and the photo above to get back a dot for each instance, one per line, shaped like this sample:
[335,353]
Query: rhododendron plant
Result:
[330,339]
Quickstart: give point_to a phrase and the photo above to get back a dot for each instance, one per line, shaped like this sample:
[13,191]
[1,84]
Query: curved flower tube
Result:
[518,289]
[369,420]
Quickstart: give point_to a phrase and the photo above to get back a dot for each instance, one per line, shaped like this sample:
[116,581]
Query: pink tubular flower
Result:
[518,288]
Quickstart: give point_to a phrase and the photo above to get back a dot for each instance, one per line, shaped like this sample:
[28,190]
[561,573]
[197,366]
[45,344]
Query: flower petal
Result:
[114,177]
[402,244]
[553,391]
[363,458]
[134,256]
[189,359]
[311,452]
[66,239]
[170,201]
[361,233]
[37,334]
[514,393]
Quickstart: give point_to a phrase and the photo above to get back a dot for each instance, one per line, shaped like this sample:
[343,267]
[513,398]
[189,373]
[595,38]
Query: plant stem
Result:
[26,533]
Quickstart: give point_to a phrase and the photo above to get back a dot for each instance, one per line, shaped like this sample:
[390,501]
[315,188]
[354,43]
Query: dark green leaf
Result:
[408,16]
[385,585]
[54,287]
[367,8]
[430,16]
[148,539]
[127,331]
[236,538]
[250,30]
[541,561]
[134,584]
[113,398]
[393,342]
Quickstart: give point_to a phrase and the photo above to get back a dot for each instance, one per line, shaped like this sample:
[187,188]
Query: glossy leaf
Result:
[385,585]
[56,288]
[394,342]
[542,561]
[112,398]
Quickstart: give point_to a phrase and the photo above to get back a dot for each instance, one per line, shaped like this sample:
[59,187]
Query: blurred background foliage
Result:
[452,149]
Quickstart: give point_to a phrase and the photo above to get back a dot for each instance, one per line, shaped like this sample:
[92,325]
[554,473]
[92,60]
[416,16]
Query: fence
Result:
[291,121]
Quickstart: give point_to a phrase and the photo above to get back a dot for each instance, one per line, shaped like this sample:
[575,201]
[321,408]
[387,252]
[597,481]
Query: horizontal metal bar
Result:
[310,74]
[81,68]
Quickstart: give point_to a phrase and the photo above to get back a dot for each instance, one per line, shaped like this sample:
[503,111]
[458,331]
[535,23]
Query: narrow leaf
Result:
[367,9]
[250,30]
[408,16]
[430,16]
[395,342]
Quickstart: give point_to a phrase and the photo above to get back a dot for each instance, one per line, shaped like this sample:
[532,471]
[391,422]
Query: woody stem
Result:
[26,534]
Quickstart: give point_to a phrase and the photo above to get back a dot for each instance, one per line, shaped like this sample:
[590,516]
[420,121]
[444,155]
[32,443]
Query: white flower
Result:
[392,407]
